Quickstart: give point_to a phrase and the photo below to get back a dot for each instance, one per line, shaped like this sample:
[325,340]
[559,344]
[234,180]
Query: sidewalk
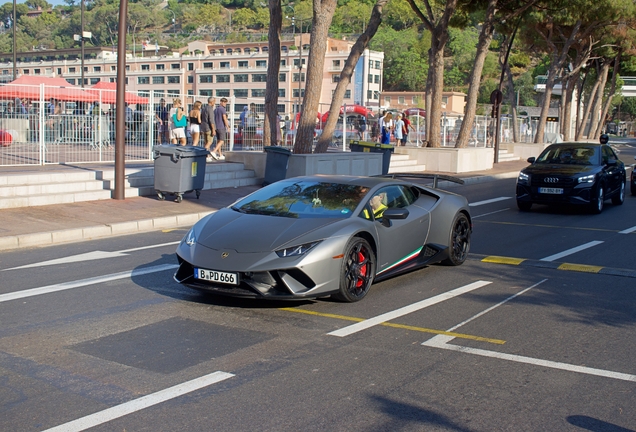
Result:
[47,225]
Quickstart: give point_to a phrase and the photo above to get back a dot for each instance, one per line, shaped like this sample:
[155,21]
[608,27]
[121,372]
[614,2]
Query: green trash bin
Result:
[275,164]
[178,170]
[373,147]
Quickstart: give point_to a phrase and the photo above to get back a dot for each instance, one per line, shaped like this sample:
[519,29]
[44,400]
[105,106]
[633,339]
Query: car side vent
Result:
[429,251]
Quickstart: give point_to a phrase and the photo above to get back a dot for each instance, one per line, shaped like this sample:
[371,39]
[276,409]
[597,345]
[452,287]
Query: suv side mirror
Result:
[531,159]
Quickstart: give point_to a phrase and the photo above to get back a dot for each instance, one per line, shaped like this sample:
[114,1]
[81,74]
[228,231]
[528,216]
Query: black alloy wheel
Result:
[619,198]
[358,271]
[599,202]
[459,243]
[524,205]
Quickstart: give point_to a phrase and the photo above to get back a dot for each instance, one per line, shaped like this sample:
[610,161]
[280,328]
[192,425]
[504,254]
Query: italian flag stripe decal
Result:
[409,257]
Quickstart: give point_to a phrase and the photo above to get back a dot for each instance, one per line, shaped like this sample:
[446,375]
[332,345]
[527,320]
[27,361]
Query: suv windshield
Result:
[303,199]
[570,155]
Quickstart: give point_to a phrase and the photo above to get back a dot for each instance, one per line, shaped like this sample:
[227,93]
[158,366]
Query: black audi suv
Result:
[572,173]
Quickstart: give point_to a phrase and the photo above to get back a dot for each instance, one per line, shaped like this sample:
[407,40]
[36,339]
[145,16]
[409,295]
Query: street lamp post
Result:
[174,22]
[15,66]
[82,41]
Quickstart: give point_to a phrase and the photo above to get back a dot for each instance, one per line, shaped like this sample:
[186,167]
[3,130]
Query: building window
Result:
[256,50]
[224,65]
[243,64]
[295,93]
[296,62]
[284,49]
[112,80]
[283,62]
[190,79]
[174,93]
[387,100]
[376,79]
[261,63]
[174,79]
[70,70]
[414,100]
[158,93]
[242,93]
[444,99]
[347,94]
[370,64]
[335,78]
[265,49]
[370,78]
[247,50]
[70,81]
[223,92]
[376,95]
[94,81]
[240,78]
[143,80]
[113,68]
[145,67]
[229,51]
[59,71]
[258,92]
[175,66]
[281,92]
[206,78]
[208,65]
[158,80]
[190,92]
[97,69]
[190,66]
[223,78]
[205,92]
[127,67]
[377,64]
[369,94]
[282,77]
[401,100]
[335,64]
[295,77]
[160,67]
[259,77]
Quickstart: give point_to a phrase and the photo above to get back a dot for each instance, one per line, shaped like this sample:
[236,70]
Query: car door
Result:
[401,240]
[612,172]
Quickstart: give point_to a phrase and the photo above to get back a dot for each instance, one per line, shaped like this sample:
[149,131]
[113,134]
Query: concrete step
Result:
[401,163]
[505,156]
[407,168]
[53,198]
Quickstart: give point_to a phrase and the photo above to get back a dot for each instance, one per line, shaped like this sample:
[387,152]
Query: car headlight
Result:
[523,178]
[191,238]
[296,250]
[587,179]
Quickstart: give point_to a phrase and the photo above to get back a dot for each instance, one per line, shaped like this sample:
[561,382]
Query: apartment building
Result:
[217,69]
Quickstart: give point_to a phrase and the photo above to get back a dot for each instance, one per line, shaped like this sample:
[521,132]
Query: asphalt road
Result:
[529,334]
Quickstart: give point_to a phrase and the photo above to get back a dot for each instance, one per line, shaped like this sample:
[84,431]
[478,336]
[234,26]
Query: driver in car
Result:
[378,205]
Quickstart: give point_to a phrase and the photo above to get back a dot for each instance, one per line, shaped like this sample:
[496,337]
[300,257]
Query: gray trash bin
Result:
[373,147]
[179,170]
[275,164]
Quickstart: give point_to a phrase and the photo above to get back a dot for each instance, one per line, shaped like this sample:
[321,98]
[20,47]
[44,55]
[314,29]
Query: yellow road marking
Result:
[580,268]
[400,326]
[503,260]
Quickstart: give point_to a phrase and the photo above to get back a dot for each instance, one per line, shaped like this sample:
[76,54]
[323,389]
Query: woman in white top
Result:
[386,126]
[398,132]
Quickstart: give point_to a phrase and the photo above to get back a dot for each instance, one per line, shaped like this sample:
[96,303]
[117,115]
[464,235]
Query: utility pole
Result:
[82,41]
[15,56]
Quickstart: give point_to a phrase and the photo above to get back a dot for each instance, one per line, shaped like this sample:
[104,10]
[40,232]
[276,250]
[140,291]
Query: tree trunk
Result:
[434,112]
[345,76]
[596,106]
[513,104]
[485,38]
[586,112]
[270,124]
[321,20]
[610,95]
[566,123]
[545,105]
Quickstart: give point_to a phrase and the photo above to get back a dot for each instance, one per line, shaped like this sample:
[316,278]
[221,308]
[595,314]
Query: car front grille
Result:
[552,181]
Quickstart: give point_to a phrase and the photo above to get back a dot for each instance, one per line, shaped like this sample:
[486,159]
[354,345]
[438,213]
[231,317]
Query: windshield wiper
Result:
[237,209]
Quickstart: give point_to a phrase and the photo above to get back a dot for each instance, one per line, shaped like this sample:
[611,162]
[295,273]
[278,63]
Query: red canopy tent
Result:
[29,87]
[351,109]
[109,94]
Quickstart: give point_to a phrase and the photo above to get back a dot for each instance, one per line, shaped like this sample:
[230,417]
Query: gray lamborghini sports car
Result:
[317,236]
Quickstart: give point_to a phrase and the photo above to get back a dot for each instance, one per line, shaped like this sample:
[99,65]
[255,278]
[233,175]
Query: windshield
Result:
[303,199]
[570,155]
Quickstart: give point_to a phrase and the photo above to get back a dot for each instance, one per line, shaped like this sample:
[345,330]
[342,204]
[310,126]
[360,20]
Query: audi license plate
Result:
[216,276]
[554,191]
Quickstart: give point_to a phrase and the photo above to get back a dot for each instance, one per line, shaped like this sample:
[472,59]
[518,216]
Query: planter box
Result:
[341,163]
[450,159]
[524,150]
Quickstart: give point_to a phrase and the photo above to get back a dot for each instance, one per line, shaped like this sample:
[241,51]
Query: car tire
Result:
[524,205]
[599,202]
[459,241]
[357,272]
[619,198]
[633,188]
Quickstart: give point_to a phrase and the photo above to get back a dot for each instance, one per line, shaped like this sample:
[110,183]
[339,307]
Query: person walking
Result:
[222,126]
[161,116]
[386,126]
[399,131]
[207,125]
[178,123]
[407,125]
[195,123]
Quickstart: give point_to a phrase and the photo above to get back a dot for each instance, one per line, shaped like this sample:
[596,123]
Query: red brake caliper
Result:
[363,270]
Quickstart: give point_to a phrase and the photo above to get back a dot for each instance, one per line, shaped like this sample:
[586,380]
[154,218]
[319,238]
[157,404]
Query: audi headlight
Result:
[523,178]
[587,179]
[296,250]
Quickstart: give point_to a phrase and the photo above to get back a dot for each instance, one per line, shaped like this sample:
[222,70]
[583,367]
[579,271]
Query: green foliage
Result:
[454,79]
[524,85]
[628,106]
[519,59]
[485,90]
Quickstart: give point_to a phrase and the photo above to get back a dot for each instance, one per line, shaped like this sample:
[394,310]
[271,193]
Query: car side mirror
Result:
[531,159]
[393,213]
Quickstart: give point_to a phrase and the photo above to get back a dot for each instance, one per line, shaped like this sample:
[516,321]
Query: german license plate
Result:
[216,276]
[554,191]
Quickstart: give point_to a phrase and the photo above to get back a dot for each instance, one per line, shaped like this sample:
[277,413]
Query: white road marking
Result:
[90,256]
[628,230]
[143,402]
[440,342]
[486,214]
[572,251]
[478,203]
[363,325]
[84,282]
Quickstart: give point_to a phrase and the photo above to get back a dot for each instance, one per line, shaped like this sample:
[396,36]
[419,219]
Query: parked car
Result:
[632,186]
[572,173]
[317,236]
